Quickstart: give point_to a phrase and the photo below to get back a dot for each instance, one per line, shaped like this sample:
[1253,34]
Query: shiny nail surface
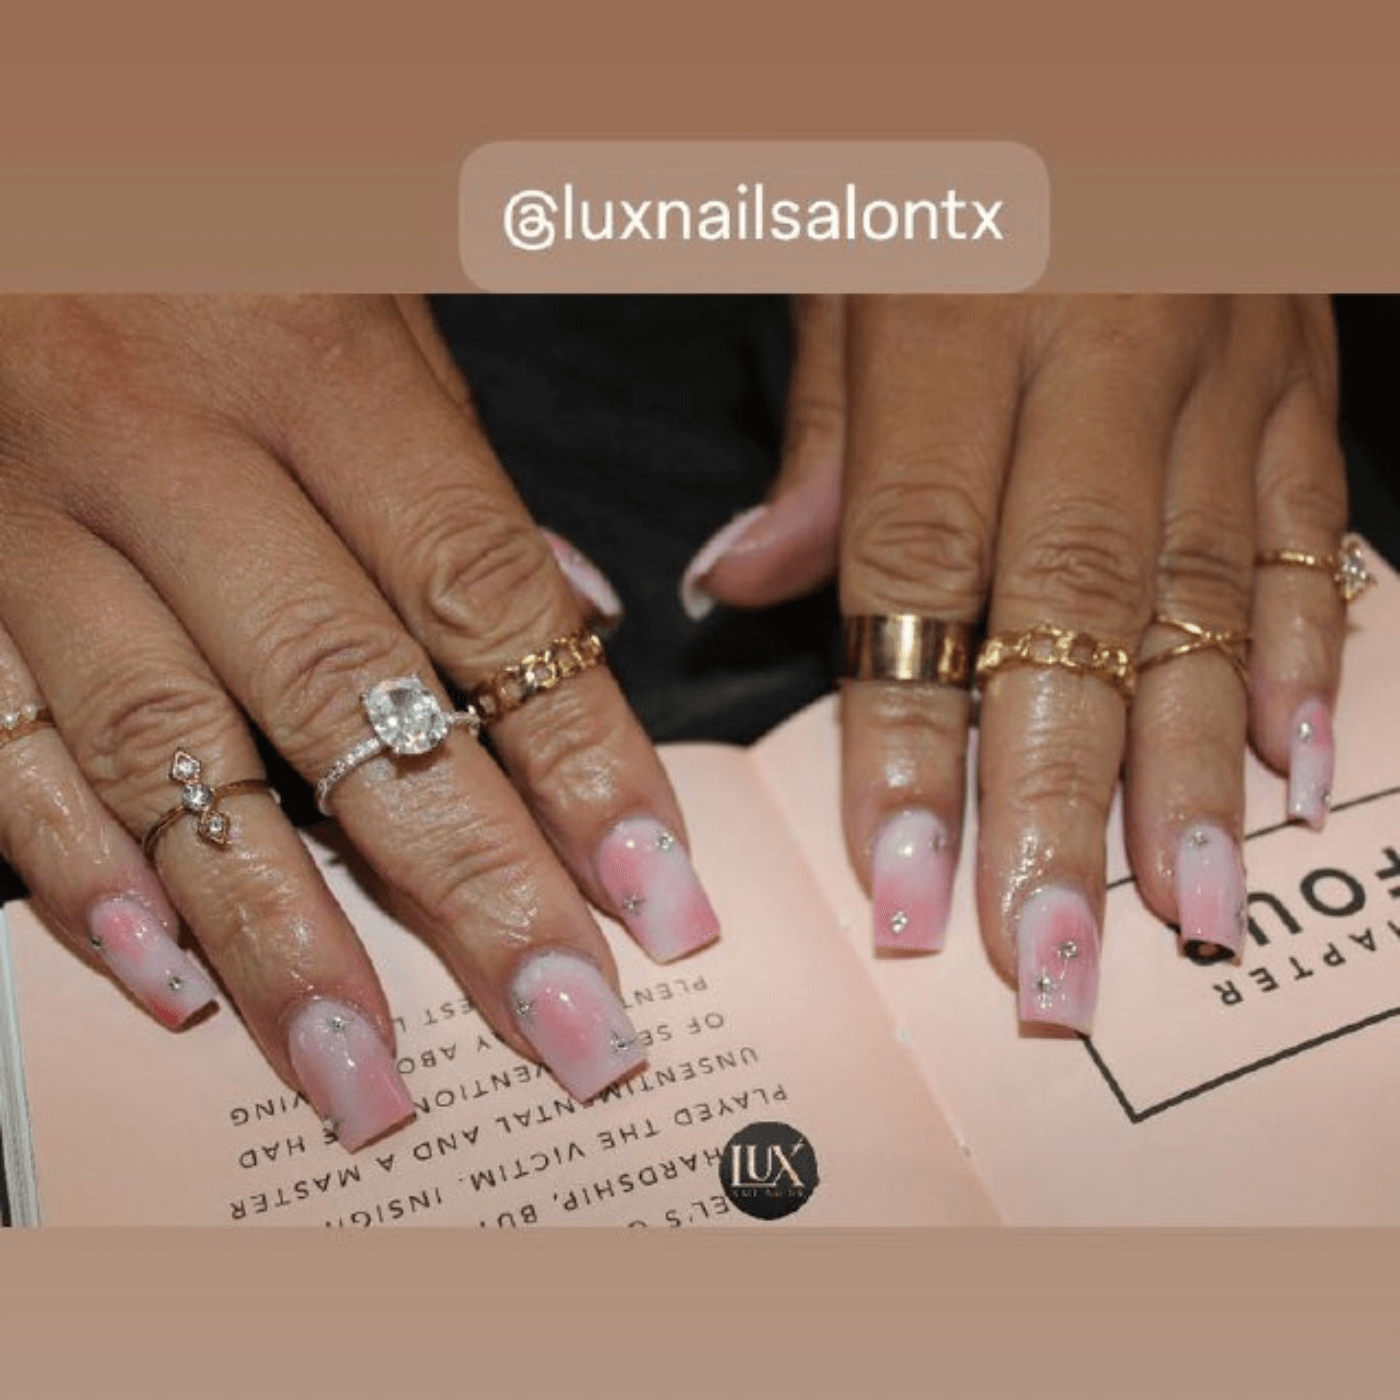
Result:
[1057,959]
[911,871]
[565,1008]
[648,875]
[147,961]
[585,578]
[347,1071]
[1310,761]
[1210,888]
[696,602]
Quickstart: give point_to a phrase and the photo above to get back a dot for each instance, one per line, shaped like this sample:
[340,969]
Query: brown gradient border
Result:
[1203,147]
[827,1313]
[1188,146]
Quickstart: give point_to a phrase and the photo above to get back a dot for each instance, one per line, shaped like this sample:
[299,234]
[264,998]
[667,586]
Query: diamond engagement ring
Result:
[407,719]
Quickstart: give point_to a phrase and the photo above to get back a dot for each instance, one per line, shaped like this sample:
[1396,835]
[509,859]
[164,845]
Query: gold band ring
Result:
[1346,568]
[510,687]
[907,647]
[200,801]
[1046,645]
[1233,646]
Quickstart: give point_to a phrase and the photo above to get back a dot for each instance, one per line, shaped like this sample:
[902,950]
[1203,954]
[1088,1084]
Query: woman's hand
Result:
[1107,467]
[222,511]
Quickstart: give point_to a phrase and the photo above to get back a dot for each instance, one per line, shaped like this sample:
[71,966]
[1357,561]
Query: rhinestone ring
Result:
[200,801]
[407,719]
[17,724]
[1346,568]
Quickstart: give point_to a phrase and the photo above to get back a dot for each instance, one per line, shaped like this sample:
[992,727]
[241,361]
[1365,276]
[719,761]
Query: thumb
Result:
[788,546]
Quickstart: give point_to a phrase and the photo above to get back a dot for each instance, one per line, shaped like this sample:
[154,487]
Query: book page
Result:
[1252,1092]
[776,1022]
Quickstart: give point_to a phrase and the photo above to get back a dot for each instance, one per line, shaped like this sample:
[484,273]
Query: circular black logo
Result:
[768,1170]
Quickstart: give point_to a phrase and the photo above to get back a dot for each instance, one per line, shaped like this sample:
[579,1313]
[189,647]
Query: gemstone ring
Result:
[200,801]
[407,719]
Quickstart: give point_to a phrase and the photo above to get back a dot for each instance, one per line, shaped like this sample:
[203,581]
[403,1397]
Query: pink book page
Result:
[134,1125]
[1259,1092]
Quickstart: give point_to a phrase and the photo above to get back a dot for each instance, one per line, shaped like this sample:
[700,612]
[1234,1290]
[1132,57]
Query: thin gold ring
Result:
[1346,568]
[20,723]
[1233,646]
[535,674]
[1046,645]
[908,647]
[201,802]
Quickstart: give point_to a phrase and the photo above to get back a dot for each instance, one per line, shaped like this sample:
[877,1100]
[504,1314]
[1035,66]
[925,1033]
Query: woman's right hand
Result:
[216,511]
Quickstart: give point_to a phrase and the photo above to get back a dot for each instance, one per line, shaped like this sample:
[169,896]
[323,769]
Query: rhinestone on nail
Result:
[664,841]
[1197,839]
[336,1023]
[95,942]
[524,1009]
[1068,950]
[632,904]
[899,921]
[1044,989]
[174,982]
[620,1043]
[1305,731]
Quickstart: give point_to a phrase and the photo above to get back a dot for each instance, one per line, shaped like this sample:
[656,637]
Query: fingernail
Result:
[648,875]
[696,602]
[1057,959]
[347,1072]
[1210,889]
[565,1008]
[911,880]
[1310,762]
[585,578]
[148,962]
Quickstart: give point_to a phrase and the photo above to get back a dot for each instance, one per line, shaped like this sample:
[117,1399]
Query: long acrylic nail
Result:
[911,881]
[347,1072]
[586,579]
[696,602]
[565,1008]
[1057,958]
[648,875]
[1210,888]
[1310,759]
[147,961]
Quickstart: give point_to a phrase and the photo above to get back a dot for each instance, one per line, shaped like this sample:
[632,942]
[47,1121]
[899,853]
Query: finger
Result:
[1080,527]
[934,386]
[1299,615]
[127,699]
[455,551]
[295,630]
[418,317]
[81,867]
[787,547]
[1184,794]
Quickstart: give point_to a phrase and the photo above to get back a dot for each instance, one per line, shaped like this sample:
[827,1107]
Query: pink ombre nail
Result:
[1310,760]
[585,578]
[648,875]
[565,1008]
[347,1072]
[1210,889]
[1057,959]
[147,961]
[696,602]
[911,882]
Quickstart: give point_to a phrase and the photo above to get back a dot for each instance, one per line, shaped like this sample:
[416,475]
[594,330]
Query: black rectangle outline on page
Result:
[1140,1115]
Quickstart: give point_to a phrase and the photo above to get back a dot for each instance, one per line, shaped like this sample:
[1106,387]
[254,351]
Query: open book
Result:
[1258,1092]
